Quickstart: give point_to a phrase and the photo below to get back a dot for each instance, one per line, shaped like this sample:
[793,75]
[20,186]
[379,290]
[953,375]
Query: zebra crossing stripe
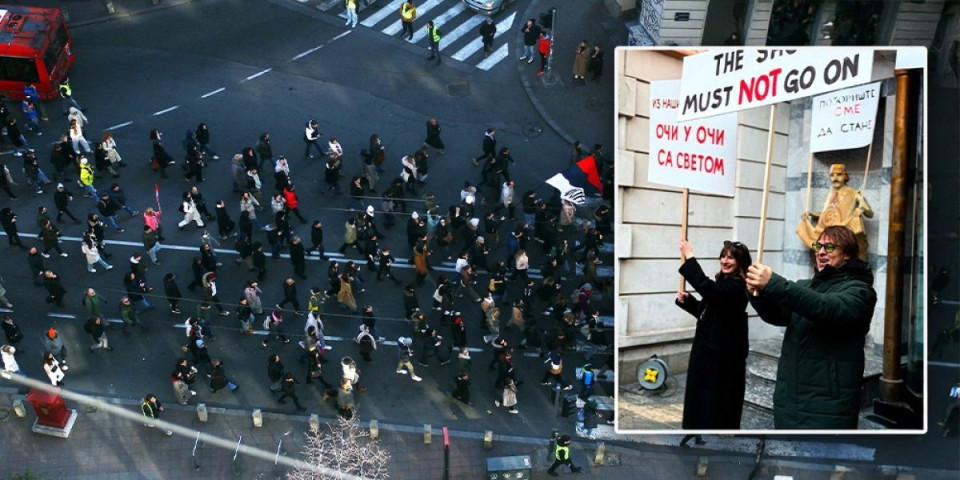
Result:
[457,9]
[503,26]
[462,30]
[494,58]
[372,20]
[421,11]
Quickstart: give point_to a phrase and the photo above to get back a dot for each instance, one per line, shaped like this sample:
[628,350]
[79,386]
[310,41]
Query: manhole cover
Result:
[532,129]
[458,89]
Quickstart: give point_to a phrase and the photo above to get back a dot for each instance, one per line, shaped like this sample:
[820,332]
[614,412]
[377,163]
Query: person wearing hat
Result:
[561,455]
[53,345]
[405,352]
[588,416]
[86,178]
[61,199]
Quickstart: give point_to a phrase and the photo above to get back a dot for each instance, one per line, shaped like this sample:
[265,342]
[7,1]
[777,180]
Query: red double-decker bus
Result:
[35,47]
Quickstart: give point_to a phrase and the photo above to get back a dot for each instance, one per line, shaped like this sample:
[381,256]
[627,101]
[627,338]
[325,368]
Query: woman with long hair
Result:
[716,378]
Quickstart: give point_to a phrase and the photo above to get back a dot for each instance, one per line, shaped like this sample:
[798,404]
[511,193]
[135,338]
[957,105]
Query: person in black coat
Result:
[161,159]
[196,267]
[316,240]
[259,260]
[224,224]
[716,378]
[55,290]
[298,257]
[61,199]
[9,221]
[290,294]
[218,377]
[172,291]
[275,371]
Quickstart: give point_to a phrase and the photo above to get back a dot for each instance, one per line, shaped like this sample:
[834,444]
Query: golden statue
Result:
[844,206]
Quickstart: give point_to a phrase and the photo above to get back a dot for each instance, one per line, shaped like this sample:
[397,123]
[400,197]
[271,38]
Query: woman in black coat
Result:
[172,291]
[716,378]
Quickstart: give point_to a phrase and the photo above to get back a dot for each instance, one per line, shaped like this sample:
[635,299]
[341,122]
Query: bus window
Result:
[18,69]
[57,42]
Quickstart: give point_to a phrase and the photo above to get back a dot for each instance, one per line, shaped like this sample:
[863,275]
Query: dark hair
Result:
[741,254]
[844,238]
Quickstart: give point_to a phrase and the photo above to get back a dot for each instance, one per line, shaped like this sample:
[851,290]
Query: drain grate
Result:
[458,89]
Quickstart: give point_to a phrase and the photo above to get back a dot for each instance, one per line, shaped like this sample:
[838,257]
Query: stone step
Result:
[759,392]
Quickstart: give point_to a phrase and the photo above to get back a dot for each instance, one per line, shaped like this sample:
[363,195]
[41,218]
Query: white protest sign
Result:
[844,119]
[699,155]
[728,80]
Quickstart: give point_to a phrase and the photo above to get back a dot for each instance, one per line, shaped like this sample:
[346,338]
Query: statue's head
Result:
[838,175]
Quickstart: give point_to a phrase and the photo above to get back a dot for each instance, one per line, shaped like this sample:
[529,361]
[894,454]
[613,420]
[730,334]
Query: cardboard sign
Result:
[699,155]
[728,80]
[844,119]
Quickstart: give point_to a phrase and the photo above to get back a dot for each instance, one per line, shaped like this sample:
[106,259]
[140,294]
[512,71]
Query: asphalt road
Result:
[166,70]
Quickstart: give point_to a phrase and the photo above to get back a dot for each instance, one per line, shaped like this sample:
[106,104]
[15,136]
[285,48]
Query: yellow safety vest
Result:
[435,35]
[86,175]
[65,90]
[565,450]
[408,12]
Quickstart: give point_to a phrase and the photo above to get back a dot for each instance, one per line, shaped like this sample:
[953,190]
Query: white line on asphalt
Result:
[404,263]
[61,315]
[462,30]
[381,14]
[421,11]
[119,125]
[161,112]
[261,72]
[439,21]
[469,49]
[943,364]
[494,58]
[6,310]
[338,37]
[210,94]
[304,54]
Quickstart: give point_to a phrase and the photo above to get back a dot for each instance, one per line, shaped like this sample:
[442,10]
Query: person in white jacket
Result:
[52,367]
[190,213]
[90,250]
[10,364]
[77,138]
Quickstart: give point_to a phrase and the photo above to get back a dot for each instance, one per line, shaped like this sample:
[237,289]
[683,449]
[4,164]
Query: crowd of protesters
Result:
[525,262]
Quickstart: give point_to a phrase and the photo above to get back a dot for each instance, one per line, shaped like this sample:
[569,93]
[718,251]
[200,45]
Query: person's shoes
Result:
[523,58]
[544,383]
[530,60]
[567,388]
[475,162]
[422,364]
[416,378]
[175,310]
[264,343]
[540,73]
[64,254]
[109,267]
[513,411]
[401,371]
[225,314]
[169,432]
[90,349]
[109,349]
[92,270]
[361,389]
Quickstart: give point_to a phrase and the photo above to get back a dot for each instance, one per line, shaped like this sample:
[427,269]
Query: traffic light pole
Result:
[549,78]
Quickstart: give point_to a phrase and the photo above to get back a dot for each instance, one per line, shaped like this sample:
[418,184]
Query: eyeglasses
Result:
[728,243]
[829,247]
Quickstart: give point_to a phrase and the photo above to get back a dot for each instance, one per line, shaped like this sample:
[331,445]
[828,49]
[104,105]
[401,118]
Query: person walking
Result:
[289,389]
[8,354]
[93,303]
[218,378]
[462,392]
[66,93]
[290,294]
[408,13]
[433,37]
[311,136]
[275,372]
[531,34]
[98,332]
[172,291]
[151,408]
[433,136]
[489,147]
[561,456]
[298,257]
[61,200]
[190,212]
[488,31]
[92,253]
[8,219]
[54,372]
[11,330]
[554,370]
[55,290]
[182,377]
[367,344]
[86,178]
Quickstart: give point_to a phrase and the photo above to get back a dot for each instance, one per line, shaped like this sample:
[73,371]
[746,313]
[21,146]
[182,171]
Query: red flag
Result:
[156,191]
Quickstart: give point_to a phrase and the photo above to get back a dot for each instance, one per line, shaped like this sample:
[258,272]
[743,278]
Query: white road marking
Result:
[304,54]
[261,72]
[61,315]
[168,110]
[421,11]
[494,58]
[438,22]
[393,8]
[210,94]
[503,26]
[119,125]
[461,30]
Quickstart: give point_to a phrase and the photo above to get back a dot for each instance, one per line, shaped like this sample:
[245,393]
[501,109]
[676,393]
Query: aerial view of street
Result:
[299,214]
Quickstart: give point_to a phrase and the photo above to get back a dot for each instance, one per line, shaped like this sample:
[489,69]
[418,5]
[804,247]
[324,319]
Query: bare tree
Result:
[342,446]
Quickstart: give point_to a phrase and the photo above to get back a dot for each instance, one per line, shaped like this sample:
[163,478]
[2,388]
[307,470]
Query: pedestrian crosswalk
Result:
[458,25]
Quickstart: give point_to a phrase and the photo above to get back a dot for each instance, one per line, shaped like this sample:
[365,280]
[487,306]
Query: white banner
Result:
[844,119]
[728,80]
[699,155]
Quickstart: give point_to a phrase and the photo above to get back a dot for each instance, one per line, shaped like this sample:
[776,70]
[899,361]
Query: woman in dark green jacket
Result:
[820,374]
[716,378]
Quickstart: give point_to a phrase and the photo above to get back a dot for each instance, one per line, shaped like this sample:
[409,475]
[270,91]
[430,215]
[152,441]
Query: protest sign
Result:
[844,119]
[700,155]
[729,80]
